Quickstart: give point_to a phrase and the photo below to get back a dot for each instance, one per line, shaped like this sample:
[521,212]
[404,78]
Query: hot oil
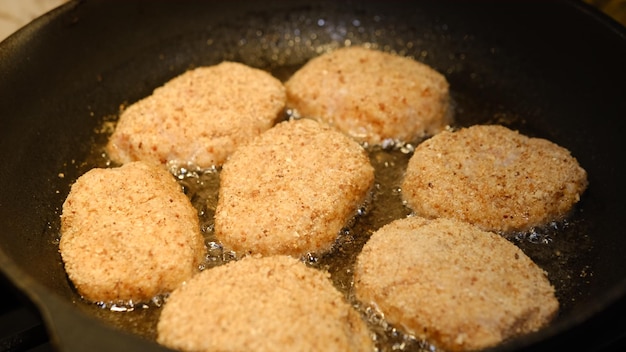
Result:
[556,247]
[385,206]
[560,248]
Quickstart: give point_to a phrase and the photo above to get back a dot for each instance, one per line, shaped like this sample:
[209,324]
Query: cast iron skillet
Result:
[551,69]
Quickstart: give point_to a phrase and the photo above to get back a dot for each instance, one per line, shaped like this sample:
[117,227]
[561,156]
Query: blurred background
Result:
[17,13]
[613,8]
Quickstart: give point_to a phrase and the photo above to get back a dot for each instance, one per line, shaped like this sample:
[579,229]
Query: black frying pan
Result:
[551,69]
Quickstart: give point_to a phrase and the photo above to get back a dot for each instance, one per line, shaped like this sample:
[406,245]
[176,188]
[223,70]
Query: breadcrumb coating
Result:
[493,177]
[261,304]
[129,234]
[371,95]
[291,190]
[199,117]
[458,287]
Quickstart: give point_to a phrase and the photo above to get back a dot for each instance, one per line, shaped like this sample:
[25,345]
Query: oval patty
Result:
[291,190]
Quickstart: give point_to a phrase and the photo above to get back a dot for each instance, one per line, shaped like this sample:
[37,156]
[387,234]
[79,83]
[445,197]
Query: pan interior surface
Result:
[66,76]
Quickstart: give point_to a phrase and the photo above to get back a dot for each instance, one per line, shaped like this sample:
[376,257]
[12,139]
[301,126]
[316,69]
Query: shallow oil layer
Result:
[559,248]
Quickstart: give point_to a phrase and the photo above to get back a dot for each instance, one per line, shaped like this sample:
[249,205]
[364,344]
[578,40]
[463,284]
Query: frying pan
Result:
[550,69]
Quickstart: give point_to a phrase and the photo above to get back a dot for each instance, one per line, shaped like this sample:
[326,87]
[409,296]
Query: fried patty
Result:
[493,177]
[199,117]
[261,304]
[452,284]
[129,234]
[371,95]
[291,190]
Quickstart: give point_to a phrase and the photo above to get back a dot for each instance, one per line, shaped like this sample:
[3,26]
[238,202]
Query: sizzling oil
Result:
[560,248]
[555,247]
[282,46]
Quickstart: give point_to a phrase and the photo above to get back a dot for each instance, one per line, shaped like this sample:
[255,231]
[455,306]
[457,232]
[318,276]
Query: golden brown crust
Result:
[371,95]
[291,190]
[494,178]
[261,304]
[453,284]
[199,117]
[128,234]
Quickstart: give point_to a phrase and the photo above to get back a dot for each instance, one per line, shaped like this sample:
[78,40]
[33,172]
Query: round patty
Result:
[261,304]
[452,284]
[371,95]
[199,117]
[129,234]
[291,190]
[493,177]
